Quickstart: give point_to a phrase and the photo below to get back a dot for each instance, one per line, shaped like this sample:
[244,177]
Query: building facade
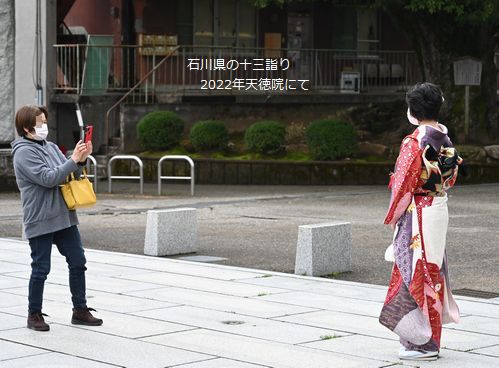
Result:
[95,52]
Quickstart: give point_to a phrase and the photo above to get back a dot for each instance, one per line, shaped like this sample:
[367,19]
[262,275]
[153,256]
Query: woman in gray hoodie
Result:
[40,167]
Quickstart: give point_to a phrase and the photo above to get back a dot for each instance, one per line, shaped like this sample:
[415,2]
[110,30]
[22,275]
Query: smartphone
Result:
[88,133]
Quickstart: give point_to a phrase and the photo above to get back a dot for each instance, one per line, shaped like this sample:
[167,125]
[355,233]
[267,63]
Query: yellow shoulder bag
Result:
[78,193]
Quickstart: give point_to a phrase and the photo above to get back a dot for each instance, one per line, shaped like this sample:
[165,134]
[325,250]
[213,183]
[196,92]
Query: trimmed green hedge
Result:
[210,134]
[265,137]
[331,139]
[160,130]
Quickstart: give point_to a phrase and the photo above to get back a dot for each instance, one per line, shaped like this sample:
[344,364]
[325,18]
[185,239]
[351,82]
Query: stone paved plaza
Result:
[171,313]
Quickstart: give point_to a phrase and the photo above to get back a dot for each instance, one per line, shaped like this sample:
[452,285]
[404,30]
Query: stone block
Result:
[323,249]
[492,151]
[472,153]
[258,174]
[217,175]
[244,173]
[372,149]
[171,232]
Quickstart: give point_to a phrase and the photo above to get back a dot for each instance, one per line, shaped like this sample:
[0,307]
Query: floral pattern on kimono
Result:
[419,298]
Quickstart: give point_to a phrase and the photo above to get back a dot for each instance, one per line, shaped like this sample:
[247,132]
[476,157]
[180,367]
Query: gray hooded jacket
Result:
[39,169]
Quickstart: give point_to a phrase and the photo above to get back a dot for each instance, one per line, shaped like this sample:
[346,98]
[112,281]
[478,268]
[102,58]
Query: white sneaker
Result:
[417,355]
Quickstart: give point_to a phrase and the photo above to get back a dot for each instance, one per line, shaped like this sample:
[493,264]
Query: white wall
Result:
[25,25]
[25,92]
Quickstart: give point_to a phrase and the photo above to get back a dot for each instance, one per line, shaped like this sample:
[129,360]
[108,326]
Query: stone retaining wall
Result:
[209,171]
[7,177]
[229,172]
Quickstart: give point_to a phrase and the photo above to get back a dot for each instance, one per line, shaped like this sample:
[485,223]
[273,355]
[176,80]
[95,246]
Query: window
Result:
[203,22]
[367,30]
[344,28]
[355,28]
[227,22]
[184,22]
[170,17]
[224,23]
[247,24]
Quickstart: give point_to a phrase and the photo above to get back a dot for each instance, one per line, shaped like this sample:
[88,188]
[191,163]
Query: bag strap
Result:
[72,175]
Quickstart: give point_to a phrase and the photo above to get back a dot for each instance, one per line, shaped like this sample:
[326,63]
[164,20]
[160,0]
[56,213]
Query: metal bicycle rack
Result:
[94,175]
[176,157]
[125,177]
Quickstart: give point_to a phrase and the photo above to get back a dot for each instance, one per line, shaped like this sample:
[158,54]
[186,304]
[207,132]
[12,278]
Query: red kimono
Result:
[419,298]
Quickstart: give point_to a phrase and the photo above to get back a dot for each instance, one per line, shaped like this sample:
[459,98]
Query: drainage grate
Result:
[476,293]
[201,258]
[233,322]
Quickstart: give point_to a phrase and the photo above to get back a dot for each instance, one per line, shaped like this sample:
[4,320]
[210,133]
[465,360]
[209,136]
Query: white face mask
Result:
[411,118]
[41,133]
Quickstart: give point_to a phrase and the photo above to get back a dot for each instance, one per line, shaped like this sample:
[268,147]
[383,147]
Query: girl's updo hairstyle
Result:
[424,101]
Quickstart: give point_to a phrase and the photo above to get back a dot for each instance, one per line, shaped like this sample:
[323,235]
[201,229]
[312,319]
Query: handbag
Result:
[78,193]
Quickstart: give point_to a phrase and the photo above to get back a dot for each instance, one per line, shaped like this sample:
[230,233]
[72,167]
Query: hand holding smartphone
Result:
[88,133]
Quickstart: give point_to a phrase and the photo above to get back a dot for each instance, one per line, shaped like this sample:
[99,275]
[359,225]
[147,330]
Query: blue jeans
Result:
[68,243]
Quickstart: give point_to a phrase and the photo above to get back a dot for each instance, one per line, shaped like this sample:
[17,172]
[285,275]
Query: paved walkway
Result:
[172,313]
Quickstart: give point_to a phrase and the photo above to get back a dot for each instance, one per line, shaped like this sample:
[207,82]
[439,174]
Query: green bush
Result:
[331,139]
[210,134]
[160,130]
[265,137]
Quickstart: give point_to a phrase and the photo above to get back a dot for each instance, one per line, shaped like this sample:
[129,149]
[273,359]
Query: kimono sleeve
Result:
[405,179]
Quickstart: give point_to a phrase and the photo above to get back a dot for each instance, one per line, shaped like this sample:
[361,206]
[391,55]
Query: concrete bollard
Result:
[171,232]
[323,249]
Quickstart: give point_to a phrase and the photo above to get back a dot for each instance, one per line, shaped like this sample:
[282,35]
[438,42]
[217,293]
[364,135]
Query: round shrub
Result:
[265,137]
[210,134]
[331,139]
[160,130]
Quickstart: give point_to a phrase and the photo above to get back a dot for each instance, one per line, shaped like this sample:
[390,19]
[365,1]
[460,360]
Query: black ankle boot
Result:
[82,316]
[36,322]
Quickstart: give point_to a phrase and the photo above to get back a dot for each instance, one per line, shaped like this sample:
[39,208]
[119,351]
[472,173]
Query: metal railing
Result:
[91,159]
[176,157]
[127,64]
[110,176]
[132,92]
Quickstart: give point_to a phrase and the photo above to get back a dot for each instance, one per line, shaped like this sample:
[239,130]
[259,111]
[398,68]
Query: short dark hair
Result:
[424,101]
[44,110]
[26,119]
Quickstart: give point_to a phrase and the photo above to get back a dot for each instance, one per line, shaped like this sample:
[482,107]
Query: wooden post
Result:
[467,72]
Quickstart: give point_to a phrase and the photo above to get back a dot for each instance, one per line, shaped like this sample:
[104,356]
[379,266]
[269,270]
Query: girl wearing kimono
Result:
[419,298]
